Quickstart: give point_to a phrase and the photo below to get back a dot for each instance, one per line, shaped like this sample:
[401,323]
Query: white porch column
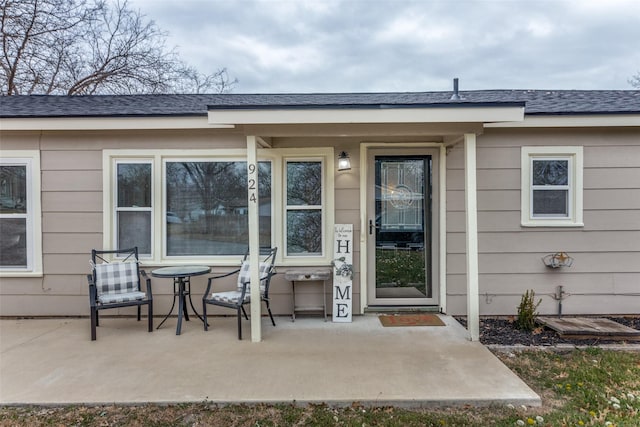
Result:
[471,211]
[254,237]
[442,216]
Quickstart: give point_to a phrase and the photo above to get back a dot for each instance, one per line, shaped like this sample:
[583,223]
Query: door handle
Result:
[371,226]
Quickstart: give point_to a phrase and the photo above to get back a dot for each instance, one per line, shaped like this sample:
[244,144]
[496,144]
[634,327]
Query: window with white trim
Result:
[304,219]
[20,227]
[191,205]
[133,207]
[551,186]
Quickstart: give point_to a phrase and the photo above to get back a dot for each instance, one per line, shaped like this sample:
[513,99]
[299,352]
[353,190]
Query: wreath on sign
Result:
[344,269]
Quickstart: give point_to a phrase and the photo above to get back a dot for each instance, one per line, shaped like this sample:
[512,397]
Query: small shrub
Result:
[527,313]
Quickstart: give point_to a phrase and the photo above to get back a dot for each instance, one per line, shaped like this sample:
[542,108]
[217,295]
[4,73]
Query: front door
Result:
[400,230]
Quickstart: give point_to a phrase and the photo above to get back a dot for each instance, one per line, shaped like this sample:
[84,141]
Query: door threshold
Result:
[402,309]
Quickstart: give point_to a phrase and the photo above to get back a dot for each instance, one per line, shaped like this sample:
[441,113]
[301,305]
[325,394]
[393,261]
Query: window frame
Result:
[185,157]
[574,156]
[286,207]
[277,158]
[116,209]
[31,160]
[568,187]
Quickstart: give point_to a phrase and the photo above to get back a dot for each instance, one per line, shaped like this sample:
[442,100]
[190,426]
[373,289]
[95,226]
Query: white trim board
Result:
[591,120]
[367,115]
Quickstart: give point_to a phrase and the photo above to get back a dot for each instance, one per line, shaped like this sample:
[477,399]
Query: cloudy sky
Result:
[303,46]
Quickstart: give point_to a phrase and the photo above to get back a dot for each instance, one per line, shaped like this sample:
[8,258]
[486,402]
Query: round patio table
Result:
[181,288]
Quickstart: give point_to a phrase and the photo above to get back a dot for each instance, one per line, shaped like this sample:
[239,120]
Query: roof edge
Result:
[385,106]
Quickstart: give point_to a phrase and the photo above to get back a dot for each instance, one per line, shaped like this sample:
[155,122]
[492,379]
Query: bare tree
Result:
[77,47]
[635,80]
[190,80]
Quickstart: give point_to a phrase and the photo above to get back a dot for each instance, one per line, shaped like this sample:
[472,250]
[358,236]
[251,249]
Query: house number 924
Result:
[251,183]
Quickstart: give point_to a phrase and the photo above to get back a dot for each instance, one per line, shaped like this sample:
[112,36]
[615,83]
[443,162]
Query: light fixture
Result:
[344,163]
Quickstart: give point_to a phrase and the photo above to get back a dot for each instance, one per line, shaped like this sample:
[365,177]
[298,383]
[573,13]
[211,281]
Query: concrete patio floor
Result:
[53,362]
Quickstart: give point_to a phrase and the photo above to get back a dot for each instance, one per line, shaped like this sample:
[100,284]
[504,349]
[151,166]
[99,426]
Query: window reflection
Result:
[135,230]
[13,208]
[304,183]
[551,202]
[13,244]
[304,208]
[304,232]
[550,172]
[134,185]
[134,208]
[13,189]
[207,208]
[550,182]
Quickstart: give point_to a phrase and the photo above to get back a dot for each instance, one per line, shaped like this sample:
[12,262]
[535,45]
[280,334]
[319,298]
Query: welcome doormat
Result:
[410,320]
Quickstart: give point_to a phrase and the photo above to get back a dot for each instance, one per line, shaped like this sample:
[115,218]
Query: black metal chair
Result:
[114,284]
[242,295]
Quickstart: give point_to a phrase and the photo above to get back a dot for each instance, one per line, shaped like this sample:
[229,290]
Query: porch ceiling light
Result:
[344,163]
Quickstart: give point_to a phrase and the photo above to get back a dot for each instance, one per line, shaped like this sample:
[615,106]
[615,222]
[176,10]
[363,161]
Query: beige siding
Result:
[612,177]
[76,201]
[347,205]
[506,221]
[606,249]
[75,180]
[531,263]
[503,283]
[66,243]
[606,272]
[67,160]
[20,140]
[71,222]
[72,214]
[72,211]
[507,243]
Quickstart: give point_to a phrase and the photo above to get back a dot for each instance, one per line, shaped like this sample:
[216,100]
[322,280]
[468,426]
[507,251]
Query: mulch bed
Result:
[502,331]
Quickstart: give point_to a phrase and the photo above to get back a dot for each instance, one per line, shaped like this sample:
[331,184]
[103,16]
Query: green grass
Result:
[579,388]
[590,387]
[404,268]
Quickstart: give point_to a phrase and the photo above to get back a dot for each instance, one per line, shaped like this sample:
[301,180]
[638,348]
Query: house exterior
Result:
[456,204]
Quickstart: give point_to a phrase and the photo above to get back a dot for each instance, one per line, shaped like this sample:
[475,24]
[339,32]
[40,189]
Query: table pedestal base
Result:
[181,290]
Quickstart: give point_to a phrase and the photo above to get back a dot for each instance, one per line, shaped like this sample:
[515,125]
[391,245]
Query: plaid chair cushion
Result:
[230,297]
[118,298]
[245,275]
[117,278]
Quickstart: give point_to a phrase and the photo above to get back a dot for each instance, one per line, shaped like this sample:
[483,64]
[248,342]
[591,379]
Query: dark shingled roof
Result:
[543,102]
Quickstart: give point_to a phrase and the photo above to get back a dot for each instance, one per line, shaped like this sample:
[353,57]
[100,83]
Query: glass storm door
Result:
[402,231]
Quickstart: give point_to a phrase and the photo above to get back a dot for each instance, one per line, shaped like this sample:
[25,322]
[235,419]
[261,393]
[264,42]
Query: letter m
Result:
[343,295]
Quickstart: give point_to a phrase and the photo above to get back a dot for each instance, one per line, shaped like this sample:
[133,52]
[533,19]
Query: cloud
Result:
[406,45]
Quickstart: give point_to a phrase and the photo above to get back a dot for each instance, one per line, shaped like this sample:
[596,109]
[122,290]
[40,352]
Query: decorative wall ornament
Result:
[557,260]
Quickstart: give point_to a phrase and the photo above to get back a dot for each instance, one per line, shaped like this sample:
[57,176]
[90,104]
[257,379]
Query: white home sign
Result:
[342,272]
